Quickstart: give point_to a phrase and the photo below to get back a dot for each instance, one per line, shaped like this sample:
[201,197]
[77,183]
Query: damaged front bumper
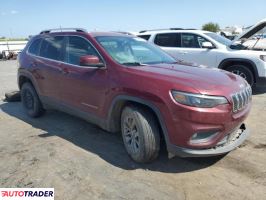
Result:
[227,144]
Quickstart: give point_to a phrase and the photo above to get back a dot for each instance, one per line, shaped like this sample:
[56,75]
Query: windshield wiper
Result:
[133,64]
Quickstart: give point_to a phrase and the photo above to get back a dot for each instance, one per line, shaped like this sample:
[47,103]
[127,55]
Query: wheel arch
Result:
[234,61]
[27,77]
[23,79]
[119,102]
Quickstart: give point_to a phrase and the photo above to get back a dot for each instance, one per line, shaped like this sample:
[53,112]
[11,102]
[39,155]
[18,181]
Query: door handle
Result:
[183,52]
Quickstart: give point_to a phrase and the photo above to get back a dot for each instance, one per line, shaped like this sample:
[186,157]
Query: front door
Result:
[191,50]
[83,87]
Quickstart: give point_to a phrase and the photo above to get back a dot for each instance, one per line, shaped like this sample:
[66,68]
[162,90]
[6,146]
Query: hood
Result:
[251,31]
[202,80]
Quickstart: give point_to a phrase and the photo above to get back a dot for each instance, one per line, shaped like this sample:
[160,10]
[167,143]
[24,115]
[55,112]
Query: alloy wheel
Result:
[240,73]
[131,135]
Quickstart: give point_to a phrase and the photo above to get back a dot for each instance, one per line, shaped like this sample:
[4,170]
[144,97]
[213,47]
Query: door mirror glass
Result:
[90,60]
[207,45]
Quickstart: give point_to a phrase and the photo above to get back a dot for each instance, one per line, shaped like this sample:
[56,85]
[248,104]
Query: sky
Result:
[21,18]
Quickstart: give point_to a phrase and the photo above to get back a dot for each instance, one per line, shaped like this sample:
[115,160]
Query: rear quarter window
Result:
[145,37]
[35,47]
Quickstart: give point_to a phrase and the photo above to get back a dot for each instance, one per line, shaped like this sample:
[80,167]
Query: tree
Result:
[213,27]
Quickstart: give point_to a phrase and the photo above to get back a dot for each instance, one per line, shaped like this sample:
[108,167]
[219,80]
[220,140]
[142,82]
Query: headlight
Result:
[198,100]
[263,57]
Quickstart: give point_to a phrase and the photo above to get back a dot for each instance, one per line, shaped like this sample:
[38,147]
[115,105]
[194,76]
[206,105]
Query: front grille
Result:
[241,99]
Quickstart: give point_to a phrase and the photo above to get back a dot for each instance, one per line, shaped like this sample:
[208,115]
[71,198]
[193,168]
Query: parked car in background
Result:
[10,49]
[123,83]
[212,50]
[254,38]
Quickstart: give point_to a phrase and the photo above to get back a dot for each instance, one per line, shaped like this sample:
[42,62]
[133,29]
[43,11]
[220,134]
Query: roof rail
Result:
[183,29]
[167,29]
[143,31]
[63,29]
[176,29]
[122,32]
[161,29]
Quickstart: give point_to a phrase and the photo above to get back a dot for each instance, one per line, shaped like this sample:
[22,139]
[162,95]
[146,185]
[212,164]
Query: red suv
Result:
[122,83]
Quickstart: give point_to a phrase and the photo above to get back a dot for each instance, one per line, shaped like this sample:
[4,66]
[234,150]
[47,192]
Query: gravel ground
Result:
[82,161]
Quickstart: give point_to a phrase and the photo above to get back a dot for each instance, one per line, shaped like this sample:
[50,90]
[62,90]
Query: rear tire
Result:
[242,71]
[140,134]
[31,101]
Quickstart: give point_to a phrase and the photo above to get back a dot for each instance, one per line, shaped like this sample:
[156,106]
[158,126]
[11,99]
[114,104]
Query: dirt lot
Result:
[83,162]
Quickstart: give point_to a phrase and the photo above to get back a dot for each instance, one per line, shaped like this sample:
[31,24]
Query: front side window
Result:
[132,51]
[219,39]
[51,47]
[190,40]
[77,47]
[35,47]
[168,40]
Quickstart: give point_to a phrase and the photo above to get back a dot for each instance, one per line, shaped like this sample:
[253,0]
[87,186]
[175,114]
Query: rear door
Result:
[49,66]
[171,43]
[83,87]
[46,56]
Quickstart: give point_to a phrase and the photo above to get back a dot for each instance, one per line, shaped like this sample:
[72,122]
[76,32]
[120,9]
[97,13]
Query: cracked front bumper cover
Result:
[218,150]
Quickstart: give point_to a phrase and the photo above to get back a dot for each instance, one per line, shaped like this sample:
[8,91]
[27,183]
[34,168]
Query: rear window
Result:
[145,37]
[168,40]
[51,47]
[35,47]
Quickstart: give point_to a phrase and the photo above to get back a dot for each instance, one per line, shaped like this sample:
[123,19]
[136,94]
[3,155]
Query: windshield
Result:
[220,39]
[133,51]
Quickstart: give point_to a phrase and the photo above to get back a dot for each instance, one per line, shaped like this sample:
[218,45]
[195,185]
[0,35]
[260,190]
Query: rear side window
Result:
[168,39]
[51,47]
[35,47]
[77,47]
[145,37]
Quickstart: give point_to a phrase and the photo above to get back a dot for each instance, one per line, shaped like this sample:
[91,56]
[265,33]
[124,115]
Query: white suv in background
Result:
[212,50]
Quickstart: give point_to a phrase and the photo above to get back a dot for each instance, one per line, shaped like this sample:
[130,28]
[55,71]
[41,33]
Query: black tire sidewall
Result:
[37,106]
[138,114]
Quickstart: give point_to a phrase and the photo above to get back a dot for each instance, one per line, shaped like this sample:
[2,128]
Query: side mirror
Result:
[207,45]
[90,60]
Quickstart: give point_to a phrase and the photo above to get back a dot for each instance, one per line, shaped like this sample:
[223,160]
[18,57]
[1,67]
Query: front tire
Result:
[242,71]
[140,134]
[31,101]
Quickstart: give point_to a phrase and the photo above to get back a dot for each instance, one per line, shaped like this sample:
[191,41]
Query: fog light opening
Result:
[203,137]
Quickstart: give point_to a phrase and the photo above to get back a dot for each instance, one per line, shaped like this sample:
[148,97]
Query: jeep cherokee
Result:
[124,84]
